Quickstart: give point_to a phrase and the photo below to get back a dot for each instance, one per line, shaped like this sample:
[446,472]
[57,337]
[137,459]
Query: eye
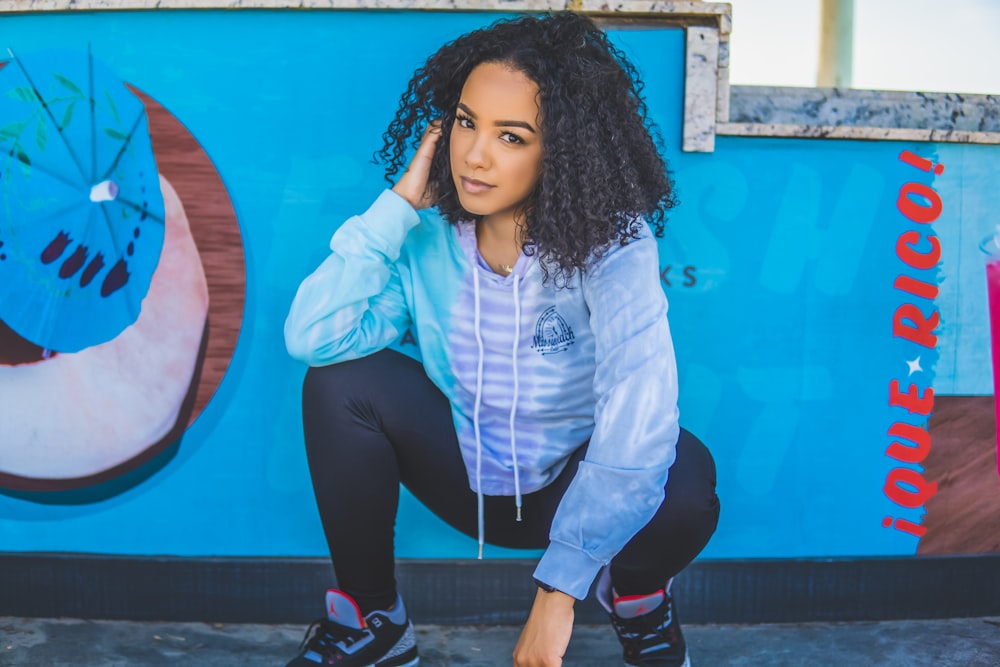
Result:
[464,121]
[511,138]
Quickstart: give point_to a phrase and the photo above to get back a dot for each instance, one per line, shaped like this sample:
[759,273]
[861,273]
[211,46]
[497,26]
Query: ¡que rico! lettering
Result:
[919,250]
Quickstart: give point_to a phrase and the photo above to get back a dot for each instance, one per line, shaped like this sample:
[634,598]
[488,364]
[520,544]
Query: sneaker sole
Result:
[687,661]
[411,663]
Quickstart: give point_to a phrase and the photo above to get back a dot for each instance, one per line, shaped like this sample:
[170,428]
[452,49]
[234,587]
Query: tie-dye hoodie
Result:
[532,370]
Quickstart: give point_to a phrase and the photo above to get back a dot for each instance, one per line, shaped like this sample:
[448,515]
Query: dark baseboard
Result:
[469,592]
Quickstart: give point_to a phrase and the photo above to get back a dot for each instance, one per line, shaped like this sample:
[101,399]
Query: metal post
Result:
[836,43]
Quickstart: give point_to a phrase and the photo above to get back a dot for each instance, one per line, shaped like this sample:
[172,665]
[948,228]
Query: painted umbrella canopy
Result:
[81,213]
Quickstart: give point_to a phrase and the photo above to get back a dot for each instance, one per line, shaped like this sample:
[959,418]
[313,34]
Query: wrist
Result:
[553,599]
[555,602]
[404,195]
[544,587]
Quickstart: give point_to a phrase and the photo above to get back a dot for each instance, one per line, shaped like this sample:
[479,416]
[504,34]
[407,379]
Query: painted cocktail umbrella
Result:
[81,213]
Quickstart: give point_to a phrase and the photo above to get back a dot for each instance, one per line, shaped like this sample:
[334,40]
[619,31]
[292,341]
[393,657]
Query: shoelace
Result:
[328,635]
[634,631]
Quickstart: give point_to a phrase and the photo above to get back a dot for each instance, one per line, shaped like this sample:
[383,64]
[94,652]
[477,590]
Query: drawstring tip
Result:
[480,556]
[518,513]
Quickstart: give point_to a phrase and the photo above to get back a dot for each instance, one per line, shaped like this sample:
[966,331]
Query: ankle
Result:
[632,606]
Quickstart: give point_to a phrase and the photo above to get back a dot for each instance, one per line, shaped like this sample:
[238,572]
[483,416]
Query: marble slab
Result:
[701,74]
[848,132]
[716,11]
[835,113]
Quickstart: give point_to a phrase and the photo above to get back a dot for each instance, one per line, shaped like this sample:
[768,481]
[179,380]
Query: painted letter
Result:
[906,453]
[909,323]
[911,399]
[918,260]
[916,287]
[918,212]
[916,491]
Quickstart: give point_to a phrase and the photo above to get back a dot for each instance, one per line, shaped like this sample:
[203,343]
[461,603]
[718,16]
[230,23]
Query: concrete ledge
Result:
[716,11]
[834,113]
[469,592]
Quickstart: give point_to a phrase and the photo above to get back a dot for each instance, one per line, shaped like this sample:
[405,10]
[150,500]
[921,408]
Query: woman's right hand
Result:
[546,634]
[412,185]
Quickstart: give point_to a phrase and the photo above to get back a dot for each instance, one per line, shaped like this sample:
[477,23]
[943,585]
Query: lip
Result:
[474,187]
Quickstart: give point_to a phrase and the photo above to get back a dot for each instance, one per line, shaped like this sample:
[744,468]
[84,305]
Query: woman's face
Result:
[496,142]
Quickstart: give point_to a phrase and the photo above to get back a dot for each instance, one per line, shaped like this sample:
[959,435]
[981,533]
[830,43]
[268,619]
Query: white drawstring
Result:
[479,401]
[513,405]
[475,414]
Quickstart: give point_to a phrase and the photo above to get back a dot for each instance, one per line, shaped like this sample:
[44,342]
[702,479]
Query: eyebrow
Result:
[500,123]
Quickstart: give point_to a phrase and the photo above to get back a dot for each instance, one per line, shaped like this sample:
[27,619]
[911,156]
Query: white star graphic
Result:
[914,366]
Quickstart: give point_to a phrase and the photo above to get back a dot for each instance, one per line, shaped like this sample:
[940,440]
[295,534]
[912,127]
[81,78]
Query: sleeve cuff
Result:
[390,205]
[567,569]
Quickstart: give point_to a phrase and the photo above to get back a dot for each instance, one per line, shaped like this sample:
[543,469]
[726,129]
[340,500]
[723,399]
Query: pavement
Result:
[964,642]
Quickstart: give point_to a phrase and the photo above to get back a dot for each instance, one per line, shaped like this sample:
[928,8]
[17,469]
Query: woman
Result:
[544,411]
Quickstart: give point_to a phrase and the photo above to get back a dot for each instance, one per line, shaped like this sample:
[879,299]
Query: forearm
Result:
[354,301]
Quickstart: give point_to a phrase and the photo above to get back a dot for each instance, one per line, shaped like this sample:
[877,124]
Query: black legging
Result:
[374,422]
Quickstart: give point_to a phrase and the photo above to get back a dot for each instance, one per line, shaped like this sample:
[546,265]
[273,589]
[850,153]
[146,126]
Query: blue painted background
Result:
[784,339]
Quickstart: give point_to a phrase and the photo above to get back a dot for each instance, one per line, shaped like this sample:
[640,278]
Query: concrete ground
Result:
[967,642]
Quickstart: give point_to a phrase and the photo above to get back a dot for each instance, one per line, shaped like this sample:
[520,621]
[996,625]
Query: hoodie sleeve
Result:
[353,304]
[620,484]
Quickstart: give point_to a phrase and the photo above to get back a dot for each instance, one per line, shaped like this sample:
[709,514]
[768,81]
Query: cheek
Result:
[455,150]
[532,171]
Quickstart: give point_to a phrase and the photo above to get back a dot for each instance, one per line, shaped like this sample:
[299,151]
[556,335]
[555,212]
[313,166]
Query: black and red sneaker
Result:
[649,631]
[646,625]
[345,638]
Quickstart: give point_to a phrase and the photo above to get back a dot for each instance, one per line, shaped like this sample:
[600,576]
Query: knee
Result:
[694,461]
[328,383]
[331,402]
[693,509]
[691,485]
[356,385]
[328,389]
[323,388]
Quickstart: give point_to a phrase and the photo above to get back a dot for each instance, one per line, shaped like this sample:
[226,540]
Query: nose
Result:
[477,156]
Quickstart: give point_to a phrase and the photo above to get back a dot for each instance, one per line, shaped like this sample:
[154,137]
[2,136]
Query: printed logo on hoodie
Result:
[552,333]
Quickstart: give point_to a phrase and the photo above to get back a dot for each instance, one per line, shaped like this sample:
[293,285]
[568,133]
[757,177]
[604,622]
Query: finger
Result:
[412,185]
[428,142]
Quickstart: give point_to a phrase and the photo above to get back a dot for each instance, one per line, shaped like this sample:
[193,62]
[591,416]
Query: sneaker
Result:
[345,638]
[646,625]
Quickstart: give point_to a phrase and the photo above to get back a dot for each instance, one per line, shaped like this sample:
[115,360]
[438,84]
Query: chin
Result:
[472,210]
[475,212]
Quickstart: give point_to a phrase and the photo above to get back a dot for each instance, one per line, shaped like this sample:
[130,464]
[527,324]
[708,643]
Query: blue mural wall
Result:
[798,349]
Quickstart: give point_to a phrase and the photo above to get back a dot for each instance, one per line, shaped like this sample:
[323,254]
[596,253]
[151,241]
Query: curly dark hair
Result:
[593,121]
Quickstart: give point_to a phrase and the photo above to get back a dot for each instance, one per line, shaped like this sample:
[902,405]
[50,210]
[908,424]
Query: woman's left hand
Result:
[545,636]
[412,185]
